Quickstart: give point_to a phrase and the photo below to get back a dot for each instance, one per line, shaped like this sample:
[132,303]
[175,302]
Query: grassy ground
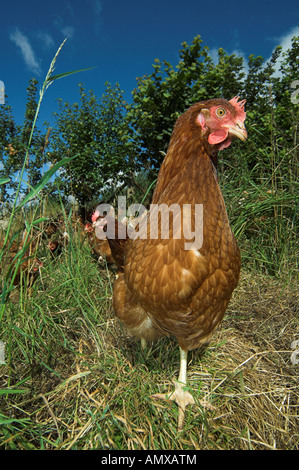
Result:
[74,379]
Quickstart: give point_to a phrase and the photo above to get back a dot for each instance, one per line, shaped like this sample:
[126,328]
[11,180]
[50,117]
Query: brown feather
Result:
[166,289]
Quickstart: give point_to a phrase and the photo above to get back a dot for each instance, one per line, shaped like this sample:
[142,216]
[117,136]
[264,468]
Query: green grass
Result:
[262,210]
[74,379]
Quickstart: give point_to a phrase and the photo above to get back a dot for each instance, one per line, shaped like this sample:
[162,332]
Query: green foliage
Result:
[9,163]
[168,91]
[32,193]
[35,158]
[96,132]
[113,144]
[13,146]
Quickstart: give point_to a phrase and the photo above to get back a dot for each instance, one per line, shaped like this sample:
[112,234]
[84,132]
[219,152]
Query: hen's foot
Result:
[183,398]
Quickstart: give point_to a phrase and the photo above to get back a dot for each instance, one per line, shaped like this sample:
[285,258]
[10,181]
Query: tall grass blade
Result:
[66,74]
[4,180]
[44,180]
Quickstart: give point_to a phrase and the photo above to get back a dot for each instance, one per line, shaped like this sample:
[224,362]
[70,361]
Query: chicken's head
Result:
[88,227]
[221,120]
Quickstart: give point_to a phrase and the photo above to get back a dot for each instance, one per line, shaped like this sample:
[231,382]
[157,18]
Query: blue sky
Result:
[122,38]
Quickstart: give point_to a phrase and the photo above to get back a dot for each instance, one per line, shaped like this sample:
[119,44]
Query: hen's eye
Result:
[220,112]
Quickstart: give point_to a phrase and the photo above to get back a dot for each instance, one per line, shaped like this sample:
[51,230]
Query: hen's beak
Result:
[238,130]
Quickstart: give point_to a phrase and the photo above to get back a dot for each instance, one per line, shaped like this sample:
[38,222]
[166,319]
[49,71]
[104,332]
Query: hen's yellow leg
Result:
[181,396]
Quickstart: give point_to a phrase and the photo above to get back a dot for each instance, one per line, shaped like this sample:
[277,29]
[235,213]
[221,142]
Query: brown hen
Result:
[21,253]
[181,285]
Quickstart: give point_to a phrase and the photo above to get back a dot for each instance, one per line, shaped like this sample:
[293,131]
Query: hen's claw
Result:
[183,398]
[180,395]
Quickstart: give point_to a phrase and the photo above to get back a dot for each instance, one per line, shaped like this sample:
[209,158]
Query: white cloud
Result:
[22,42]
[98,7]
[97,13]
[214,56]
[239,53]
[66,31]
[285,41]
[46,39]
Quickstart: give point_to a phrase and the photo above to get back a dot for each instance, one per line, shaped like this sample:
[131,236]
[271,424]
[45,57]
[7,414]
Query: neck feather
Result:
[185,151]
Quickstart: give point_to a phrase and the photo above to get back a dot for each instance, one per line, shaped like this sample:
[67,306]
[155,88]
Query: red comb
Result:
[95,216]
[239,106]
